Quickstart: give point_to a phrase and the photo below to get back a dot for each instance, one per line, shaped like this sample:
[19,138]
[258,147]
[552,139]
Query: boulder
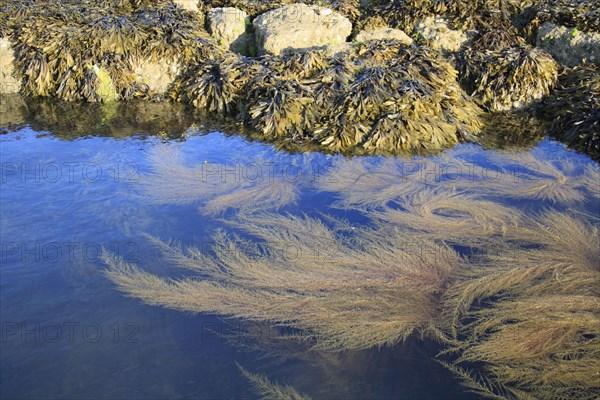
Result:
[9,83]
[383,33]
[299,27]
[437,34]
[191,5]
[569,46]
[227,25]
[158,76]
[336,50]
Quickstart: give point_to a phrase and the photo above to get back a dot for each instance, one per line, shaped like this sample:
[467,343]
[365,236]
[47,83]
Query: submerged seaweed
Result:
[366,290]
[518,302]
[174,182]
[538,331]
[268,390]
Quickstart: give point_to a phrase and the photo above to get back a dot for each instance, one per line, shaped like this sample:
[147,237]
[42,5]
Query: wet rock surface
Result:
[383,33]
[569,46]
[157,76]
[299,27]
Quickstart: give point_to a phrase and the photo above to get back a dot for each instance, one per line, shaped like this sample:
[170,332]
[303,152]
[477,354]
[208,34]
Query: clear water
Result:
[68,333]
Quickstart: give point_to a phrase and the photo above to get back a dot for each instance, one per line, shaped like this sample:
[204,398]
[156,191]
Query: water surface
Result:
[67,332]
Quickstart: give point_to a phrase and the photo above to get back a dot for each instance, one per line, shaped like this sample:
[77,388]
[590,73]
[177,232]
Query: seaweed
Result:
[368,290]
[408,100]
[538,332]
[59,49]
[581,14]
[574,108]
[268,390]
[515,77]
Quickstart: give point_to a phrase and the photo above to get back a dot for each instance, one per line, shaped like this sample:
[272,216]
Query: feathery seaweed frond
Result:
[268,390]
[531,316]
[364,291]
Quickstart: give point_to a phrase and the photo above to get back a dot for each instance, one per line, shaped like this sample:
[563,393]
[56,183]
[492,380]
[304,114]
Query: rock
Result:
[158,76]
[9,83]
[228,26]
[299,27]
[569,46]
[334,50]
[435,31]
[384,33]
[191,5]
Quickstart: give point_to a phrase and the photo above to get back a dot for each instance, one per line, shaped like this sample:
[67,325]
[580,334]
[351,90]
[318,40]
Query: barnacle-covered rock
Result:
[515,77]
[569,46]
[299,27]
[228,27]
[252,7]
[351,9]
[436,33]
[9,82]
[383,33]
[574,109]
[158,76]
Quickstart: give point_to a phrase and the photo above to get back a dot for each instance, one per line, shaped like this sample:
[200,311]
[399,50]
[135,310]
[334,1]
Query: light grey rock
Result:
[191,5]
[228,27]
[384,33]
[9,83]
[333,50]
[569,46]
[158,76]
[299,27]
[437,34]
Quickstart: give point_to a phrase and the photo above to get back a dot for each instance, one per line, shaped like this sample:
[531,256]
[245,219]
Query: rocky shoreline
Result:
[377,77]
